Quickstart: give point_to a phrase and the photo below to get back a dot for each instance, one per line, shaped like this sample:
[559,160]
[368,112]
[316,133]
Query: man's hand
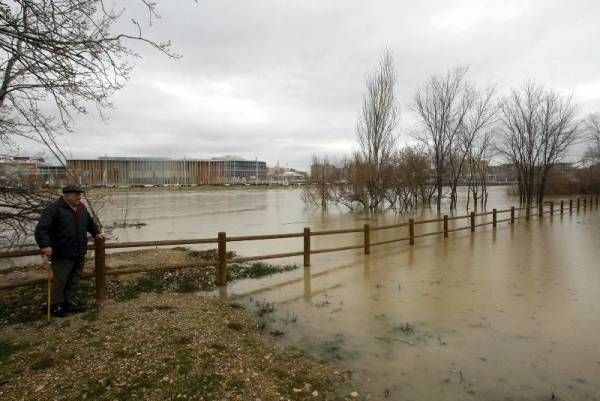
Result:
[47,251]
[100,236]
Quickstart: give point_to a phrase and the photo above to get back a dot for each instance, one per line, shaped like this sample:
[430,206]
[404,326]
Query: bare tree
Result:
[538,126]
[478,160]
[408,177]
[62,53]
[479,117]
[323,177]
[19,210]
[592,154]
[58,58]
[440,112]
[375,130]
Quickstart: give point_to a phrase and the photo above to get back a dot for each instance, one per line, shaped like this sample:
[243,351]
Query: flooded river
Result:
[510,314]
[505,314]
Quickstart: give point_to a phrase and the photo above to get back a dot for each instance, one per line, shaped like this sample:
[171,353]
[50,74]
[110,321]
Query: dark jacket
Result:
[65,230]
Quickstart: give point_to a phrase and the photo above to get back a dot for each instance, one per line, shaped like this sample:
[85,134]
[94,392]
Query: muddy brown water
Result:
[505,314]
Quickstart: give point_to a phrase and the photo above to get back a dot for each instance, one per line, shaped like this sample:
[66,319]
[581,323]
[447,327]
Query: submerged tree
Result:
[478,160]
[409,179]
[375,129]
[452,113]
[592,154]
[323,177]
[538,126]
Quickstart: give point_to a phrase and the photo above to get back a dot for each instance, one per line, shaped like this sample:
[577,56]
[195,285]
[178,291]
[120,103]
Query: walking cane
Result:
[49,270]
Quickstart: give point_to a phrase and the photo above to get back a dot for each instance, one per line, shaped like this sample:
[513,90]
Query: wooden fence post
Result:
[472,222]
[570,205]
[512,215]
[445,226]
[578,205]
[527,211]
[596,201]
[551,208]
[306,246]
[411,231]
[222,254]
[494,218]
[562,207]
[541,209]
[584,203]
[100,269]
[367,231]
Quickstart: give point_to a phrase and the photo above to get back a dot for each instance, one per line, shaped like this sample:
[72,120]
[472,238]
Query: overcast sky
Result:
[282,80]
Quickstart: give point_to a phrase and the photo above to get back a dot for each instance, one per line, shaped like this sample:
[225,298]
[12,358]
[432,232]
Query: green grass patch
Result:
[149,282]
[259,269]
[8,348]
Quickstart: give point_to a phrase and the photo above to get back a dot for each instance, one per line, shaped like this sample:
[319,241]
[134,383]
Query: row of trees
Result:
[461,127]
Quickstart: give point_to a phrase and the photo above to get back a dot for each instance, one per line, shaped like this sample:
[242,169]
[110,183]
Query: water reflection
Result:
[499,314]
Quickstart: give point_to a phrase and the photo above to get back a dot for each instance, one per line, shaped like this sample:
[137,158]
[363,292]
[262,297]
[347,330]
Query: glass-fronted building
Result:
[145,171]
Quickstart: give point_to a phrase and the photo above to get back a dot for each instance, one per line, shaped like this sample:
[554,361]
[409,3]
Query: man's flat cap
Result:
[72,188]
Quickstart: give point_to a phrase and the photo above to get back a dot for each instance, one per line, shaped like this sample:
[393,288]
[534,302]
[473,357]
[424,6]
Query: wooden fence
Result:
[101,270]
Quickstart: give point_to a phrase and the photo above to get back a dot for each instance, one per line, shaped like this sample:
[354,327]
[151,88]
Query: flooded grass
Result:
[406,329]
[501,314]
[264,308]
[27,304]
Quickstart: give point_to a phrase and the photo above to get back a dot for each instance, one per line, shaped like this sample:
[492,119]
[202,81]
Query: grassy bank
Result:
[155,339]
[26,304]
[158,347]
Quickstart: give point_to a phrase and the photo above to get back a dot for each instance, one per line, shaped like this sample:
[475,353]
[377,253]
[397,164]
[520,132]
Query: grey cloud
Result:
[282,80]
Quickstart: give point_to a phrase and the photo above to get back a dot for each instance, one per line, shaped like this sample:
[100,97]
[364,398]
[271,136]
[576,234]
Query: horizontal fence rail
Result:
[222,261]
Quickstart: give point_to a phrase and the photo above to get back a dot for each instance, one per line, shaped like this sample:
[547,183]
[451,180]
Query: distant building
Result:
[503,173]
[53,175]
[24,171]
[284,175]
[147,171]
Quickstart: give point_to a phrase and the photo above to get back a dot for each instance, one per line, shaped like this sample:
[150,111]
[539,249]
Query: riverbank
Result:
[194,188]
[23,304]
[159,347]
[156,338]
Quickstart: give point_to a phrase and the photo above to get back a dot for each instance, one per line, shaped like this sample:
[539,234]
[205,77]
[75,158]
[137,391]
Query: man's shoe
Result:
[72,307]
[58,310]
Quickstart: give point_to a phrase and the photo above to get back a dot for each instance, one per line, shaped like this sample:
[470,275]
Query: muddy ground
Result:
[159,347]
[156,339]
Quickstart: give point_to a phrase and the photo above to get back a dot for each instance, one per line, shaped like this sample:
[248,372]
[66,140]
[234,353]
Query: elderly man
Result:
[61,235]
